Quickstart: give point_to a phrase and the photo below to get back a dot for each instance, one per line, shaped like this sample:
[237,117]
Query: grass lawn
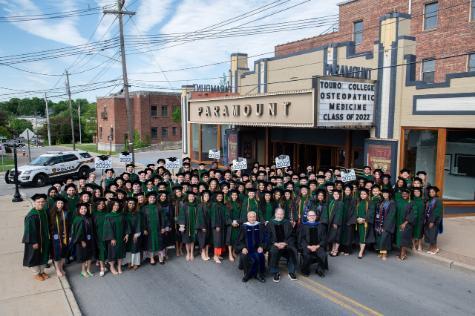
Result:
[7,163]
[91,147]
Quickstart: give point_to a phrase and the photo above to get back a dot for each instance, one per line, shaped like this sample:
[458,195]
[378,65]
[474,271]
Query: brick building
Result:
[152,117]
[393,87]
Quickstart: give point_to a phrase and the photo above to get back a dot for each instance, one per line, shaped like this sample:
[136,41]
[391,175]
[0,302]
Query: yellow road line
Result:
[341,296]
[331,298]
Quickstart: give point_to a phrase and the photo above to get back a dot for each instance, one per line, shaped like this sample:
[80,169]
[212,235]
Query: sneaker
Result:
[260,278]
[292,276]
[276,277]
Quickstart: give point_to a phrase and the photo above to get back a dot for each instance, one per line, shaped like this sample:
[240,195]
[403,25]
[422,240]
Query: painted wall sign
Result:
[347,71]
[345,103]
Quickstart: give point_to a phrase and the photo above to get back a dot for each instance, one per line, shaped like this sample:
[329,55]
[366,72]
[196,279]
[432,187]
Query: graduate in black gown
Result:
[116,234]
[82,238]
[282,243]
[203,224]
[333,220]
[176,201]
[250,246]
[187,222]
[433,219]
[409,219]
[36,238]
[384,224]
[348,220]
[312,243]
[60,231]
[218,225]
[134,220]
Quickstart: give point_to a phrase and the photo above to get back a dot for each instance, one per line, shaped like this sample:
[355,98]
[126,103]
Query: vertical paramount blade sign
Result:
[344,103]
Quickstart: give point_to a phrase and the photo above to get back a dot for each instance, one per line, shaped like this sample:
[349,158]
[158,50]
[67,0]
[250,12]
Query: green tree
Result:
[176,115]
[17,126]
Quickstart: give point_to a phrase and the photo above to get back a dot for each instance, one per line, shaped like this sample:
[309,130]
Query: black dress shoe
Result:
[162,262]
[292,276]
[260,278]
[320,273]
[245,279]
[276,278]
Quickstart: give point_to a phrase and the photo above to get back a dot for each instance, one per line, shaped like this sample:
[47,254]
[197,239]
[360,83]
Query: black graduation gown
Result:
[406,234]
[334,218]
[115,228]
[311,235]
[348,222]
[384,224]
[251,237]
[135,223]
[203,222]
[83,230]
[433,214]
[218,219]
[60,232]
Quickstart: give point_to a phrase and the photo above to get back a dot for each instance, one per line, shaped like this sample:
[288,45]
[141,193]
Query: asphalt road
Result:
[351,287]
[140,157]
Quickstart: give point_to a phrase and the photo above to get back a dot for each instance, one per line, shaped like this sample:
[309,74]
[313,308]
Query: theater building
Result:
[394,87]
[152,118]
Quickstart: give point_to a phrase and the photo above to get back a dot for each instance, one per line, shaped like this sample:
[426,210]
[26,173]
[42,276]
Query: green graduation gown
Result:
[248,205]
[98,220]
[418,210]
[187,217]
[401,205]
[234,214]
[365,234]
[153,224]
[135,224]
[36,231]
[115,228]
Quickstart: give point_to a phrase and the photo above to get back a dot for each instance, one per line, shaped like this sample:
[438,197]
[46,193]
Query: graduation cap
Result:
[386,176]
[130,165]
[336,191]
[276,190]
[71,185]
[416,189]
[121,191]
[85,192]
[348,185]
[151,193]
[140,193]
[405,190]
[177,187]
[172,159]
[191,193]
[303,186]
[267,192]
[130,198]
[52,189]
[367,167]
[320,176]
[141,171]
[433,187]
[251,190]
[404,170]
[110,169]
[150,165]
[329,184]
[376,186]
[386,190]
[59,198]
[421,172]
[289,191]
[161,160]
[233,191]
[100,199]
[364,190]
[313,182]
[338,182]
[162,192]
[79,205]
[219,193]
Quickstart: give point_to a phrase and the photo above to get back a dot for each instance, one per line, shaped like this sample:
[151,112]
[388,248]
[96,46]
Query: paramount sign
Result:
[236,110]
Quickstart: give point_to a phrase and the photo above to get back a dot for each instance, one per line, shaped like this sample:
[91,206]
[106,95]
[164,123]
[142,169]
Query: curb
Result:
[70,298]
[451,264]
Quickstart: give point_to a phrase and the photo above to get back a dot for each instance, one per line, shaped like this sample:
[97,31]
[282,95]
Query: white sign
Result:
[239,164]
[348,176]
[214,154]
[102,164]
[282,161]
[345,103]
[125,158]
[173,163]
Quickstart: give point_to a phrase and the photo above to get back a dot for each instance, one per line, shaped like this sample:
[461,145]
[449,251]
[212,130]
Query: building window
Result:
[421,151]
[428,70]
[430,15]
[472,10]
[174,131]
[154,132]
[358,32]
[153,110]
[209,139]
[164,110]
[100,132]
[195,141]
[164,132]
[471,61]
[459,166]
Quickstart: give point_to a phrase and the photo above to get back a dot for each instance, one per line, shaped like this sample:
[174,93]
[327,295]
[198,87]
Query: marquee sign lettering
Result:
[245,110]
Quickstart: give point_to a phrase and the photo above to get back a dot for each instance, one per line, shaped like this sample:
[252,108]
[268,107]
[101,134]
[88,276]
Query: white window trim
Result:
[422,69]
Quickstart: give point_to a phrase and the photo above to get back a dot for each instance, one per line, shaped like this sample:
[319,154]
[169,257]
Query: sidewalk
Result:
[457,250]
[20,294]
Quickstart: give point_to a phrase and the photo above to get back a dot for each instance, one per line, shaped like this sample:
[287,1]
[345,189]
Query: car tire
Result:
[83,172]
[40,180]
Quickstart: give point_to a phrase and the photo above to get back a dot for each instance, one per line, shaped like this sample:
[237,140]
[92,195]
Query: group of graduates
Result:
[256,216]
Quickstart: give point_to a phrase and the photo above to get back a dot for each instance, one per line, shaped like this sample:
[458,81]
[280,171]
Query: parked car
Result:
[51,166]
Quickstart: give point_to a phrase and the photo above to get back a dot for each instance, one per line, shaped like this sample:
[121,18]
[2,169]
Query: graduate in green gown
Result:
[249,204]
[36,238]
[203,224]
[304,204]
[187,222]
[82,238]
[135,223]
[288,204]
[72,199]
[364,221]
[417,202]
[60,230]
[266,208]
[116,234]
[98,216]
[348,220]
[233,223]
[154,228]
[334,221]
[401,205]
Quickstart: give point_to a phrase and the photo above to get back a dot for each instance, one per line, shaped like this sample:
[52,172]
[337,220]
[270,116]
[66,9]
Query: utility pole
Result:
[47,121]
[79,121]
[70,109]
[120,13]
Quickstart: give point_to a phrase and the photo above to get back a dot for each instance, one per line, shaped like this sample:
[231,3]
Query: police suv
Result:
[54,165]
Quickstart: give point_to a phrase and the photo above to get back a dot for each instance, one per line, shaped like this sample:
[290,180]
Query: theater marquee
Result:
[293,109]
[345,102]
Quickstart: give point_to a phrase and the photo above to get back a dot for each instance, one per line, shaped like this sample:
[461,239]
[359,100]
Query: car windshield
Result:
[40,161]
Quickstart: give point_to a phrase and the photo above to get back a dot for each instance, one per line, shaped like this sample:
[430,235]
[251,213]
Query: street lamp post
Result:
[17,195]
